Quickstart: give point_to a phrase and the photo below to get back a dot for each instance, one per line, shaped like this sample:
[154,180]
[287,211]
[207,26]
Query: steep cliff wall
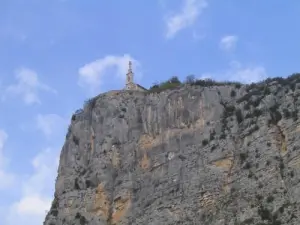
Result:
[197,155]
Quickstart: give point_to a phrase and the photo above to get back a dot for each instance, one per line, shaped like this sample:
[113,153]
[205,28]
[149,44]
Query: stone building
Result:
[130,85]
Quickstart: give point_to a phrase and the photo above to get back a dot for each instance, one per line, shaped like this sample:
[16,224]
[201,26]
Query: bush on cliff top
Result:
[174,82]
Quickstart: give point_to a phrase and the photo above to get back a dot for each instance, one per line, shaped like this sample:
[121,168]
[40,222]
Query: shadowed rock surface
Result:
[220,155]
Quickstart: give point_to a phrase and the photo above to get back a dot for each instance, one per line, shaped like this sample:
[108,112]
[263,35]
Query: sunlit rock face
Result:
[219,155]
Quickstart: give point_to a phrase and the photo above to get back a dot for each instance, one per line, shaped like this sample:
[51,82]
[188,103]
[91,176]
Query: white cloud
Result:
[205,76]
[37,188]
[228,42]
[246,74]
[33,205]
[186,17]
[6,179]
[242,73]
[50,124]
[37,191]
[27,87]
[91,75]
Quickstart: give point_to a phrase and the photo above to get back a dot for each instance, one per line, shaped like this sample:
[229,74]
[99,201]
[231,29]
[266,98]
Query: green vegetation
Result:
[174,82]
[239,115]
[247,166]
[81,218]
[212,135]
[204,142]
[243,157]
[90,103]
[295,115]
[76,140]
[275,115]
[266,215]
[286,113]
[232,93]
[270,198]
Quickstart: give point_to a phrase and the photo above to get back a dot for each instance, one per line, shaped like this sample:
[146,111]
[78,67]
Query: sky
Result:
[56,54]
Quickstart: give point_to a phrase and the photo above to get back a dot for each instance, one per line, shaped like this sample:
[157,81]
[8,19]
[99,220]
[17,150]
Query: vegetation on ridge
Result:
[174,82]
[259,89]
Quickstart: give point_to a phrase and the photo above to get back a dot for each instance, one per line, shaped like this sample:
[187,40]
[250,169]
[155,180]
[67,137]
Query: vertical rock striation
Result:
[220,155]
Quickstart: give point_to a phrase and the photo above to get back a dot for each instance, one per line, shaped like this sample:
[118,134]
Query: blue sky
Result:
[56,54]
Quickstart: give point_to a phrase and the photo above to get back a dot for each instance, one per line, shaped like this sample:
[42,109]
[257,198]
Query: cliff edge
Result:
[218,155]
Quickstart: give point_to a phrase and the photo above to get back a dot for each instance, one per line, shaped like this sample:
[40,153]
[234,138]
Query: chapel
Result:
[130,85]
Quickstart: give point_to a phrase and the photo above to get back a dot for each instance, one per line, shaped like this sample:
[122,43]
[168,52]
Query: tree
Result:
[154,85]
[190,79]
[174,80]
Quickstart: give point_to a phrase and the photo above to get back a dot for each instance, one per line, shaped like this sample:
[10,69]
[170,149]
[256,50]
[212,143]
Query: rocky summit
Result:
[203,153]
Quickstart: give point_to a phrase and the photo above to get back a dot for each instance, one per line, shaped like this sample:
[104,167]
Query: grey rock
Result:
[182,157]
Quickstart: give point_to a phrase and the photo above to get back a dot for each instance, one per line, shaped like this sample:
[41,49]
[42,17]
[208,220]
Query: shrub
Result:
[76,185]
[293,86]
[247,165]
[243,157]
[264,213]
[154,86]
[232,93]
[275,117]
[90,103]
[223,136]
[281,165]
[190,79]
[239,116]
[78,111]
[75,140]
[212,148]
[204,142]
[69,131]
[257,112]
[173,82]
[256,102]
[267,91]
[228,110]
[270,198]
[238,85]
[286,113]
[259,197]
[295,115]
[212,135]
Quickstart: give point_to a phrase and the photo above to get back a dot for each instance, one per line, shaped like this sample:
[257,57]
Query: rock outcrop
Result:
[219,155]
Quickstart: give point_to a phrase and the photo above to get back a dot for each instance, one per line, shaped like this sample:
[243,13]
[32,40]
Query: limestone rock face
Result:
[221,155]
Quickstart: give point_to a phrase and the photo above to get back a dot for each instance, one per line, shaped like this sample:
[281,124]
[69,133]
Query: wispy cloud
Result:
[239,72]
[36,191]
[27,87]
[91,75]
[50,124]
[186,17]
[6,178]
[228,43]
[246,73]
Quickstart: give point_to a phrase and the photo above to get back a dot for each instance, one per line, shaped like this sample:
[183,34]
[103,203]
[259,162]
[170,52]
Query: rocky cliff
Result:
[218,155]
